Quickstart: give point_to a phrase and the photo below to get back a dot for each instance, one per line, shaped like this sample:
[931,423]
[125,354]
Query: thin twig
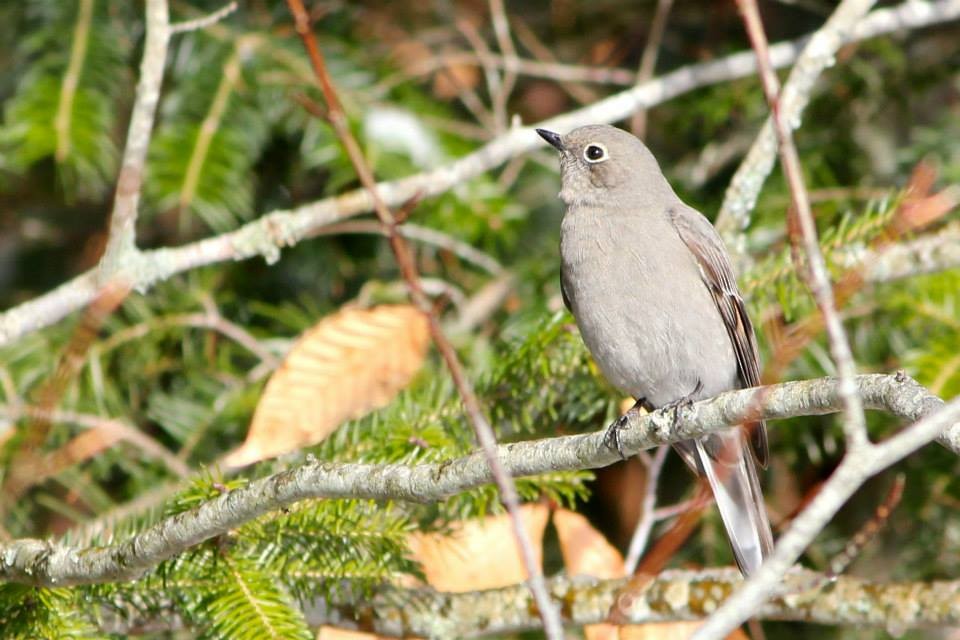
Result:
[426,235]
[208,320]
[861,459]
[664,513]
[818,54]
[269,233]
[648,61]
[817,276]
[204,21]
[121,250]
[855,469]
[120,429]
[528,38]
[71,78]
[546,67]
[501,29]
[648,515]
[869,530]
[53,564]
[481,426]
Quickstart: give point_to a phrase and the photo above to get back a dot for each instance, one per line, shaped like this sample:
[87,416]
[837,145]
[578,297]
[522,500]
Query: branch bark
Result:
[273,231]
[48,563]
[121,240]
[818,54]
[671,596]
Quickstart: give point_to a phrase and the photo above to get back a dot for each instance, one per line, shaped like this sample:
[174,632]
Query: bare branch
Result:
[818,54]
[856,468]
[49,563]
[425,235]
[267,235]
[401,251]
[121,251]
[113,426]
[817,276]
[669,597]
[648,514]
[927,254]
[501,28]
[204,21]
[648,61]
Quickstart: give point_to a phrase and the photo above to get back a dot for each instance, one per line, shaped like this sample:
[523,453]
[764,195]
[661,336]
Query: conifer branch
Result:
[273,231]
[49,563]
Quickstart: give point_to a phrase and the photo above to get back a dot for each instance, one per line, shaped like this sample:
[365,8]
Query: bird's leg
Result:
[612,437]
[684,402]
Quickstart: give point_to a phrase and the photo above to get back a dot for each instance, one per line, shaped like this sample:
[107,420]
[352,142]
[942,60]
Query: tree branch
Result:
[204,21]
[816,275]
[121,240]
[927,254]
[267,235]
[818,54]
[44,562]
[670,596]
[479,423]
[856,467]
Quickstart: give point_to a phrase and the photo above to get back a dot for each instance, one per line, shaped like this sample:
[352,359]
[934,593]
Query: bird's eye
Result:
[595,152]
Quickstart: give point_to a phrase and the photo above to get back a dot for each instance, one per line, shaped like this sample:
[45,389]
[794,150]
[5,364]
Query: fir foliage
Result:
[232,142]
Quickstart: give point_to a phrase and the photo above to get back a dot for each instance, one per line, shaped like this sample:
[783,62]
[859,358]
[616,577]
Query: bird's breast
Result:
[643,312]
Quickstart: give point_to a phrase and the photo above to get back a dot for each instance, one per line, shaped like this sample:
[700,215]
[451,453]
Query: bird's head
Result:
[599,163]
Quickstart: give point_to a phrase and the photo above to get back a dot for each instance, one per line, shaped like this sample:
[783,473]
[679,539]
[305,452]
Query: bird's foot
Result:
[612,438]
[684,402]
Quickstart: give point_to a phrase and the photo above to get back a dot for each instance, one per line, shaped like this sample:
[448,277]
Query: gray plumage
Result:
[652,290]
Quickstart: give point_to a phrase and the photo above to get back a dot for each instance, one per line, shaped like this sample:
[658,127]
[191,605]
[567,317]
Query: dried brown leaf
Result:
[480,554]
[587,552]
[347,365]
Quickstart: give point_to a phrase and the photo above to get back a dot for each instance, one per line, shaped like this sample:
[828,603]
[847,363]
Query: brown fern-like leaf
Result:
[347,365]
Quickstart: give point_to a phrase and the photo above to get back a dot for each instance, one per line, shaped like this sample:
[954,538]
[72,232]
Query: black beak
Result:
[551,137]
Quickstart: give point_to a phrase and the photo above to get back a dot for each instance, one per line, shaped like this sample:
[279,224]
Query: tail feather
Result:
[725,460]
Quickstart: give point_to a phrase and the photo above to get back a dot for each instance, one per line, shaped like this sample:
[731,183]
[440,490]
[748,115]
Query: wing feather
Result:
[707,248]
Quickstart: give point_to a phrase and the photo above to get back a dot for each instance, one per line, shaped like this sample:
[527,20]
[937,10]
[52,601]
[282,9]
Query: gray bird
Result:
[652,290]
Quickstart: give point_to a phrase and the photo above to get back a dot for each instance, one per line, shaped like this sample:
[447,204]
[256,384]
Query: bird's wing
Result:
[563,294]
[707,248]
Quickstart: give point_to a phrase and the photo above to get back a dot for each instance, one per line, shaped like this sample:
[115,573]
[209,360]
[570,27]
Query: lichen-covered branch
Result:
[818,54]
[272,232]
[860,463]
[670,596]
[41,562]
[930,253]
[121,240]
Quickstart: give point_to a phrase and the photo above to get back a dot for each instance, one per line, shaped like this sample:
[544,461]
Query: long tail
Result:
[725,460]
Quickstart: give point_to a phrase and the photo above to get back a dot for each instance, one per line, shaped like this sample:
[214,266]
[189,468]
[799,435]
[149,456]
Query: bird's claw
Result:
[612,438]
[682,403]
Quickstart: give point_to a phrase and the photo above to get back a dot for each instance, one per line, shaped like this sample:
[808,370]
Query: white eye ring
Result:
[590,152]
